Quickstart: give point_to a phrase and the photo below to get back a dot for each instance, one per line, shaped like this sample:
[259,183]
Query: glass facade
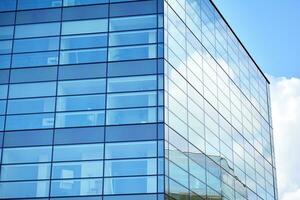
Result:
[130,99]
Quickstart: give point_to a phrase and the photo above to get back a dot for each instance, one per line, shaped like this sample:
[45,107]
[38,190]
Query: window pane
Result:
[3,91]
[25,172]
[31,105]
[39,44]
[129,185]
[78,152]
[7,5]
[82,71]
[77,119]
[33,121]
[132,52]
[2,107]
[135,83]
[24,189]
[5,46]
[32,90]
[76,187]
[6,32]
[38,16]
[5,61]
[35,59]
[85,12]
[131,197]
[7,18]
[130,150]
[77,169]
[83,41]
[131,116]
[33,74]
[37,30]
[27,154]
[71,103]
[84,26]
[132,37]
[33,4]
[83,56]
[133,23]
[134,99]
[82,2]
[130,167]
[81,87]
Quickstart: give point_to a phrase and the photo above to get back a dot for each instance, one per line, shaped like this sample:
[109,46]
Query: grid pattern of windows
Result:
[130,99]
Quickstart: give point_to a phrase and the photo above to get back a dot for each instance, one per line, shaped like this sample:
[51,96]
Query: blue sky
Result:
[270,30]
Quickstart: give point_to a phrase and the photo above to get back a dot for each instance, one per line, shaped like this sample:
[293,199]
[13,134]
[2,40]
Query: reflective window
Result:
[82,2]
[133,8]
[130,167]
[131,116]
[76,187]
[135,83]
[85,12]
[36,16]
[5,46]
[39,44]
[91,86]
[78,152]
[4,75]
[33,74]
[34,4]
[84,26]
[7,18]
[7,5]
[129,185]
[35,59]
[82,71]
[5,61]
[134,99]
[83,56]
[133,23]
[32,90]
[37,30]
[27,154]
[131,197]
[2,107]
[132,52]
[3,91]
[71,103]
[25,189]
[25,172]
[77,169]
[6,32]
[31,105]
[83,41]
[132,37]
[77,119]
[33,121]
[130,149]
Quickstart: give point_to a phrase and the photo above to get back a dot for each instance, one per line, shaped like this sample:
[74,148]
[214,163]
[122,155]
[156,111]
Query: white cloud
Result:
[285,98]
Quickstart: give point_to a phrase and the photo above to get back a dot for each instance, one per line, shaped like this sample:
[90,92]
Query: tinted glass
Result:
[31,105]
[37,30]
[38,44]
[81,87]
[32,90]
[84,26]
[33,4]
[72,103]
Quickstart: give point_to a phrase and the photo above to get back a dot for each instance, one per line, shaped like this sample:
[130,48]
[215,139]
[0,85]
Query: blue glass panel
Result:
[34,121]
[132,52]
[7,5]
[133,8]
[91,86]
[131,132]
[84,26]
[31,105]
[32,90]
[77,169]
[5,46]
[76,187]
[4,75]
[131,197]
[85,12]
[34,4]
[35,59]
[5,61]
[133,23]
[38,16]
[83,56]
[131,116]
[7,18]
[135,83]
[83,41]
[82,71]
[2,122]
[71,103]
[79,135]
[77,119]
[78,152]
[6,32]
[25,189]
[130,185]
[33,74]
[25,172]
[133,99]
[132,37]
[39,44]
[130,149]
[3,91]
[27,154]
[2,107]
[37,30]
[83,2]
[28,138]
[130,167]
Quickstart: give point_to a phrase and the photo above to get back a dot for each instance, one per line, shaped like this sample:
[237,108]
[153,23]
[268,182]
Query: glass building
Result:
[130,100]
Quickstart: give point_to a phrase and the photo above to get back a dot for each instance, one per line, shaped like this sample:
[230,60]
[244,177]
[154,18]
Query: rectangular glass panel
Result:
[32,90]
[83,2]
[6,32]
[84,26]
[132,37]
[35,59]
[5,46]
[83,41]
[83,56]
[91,86]
[133,23]
[71,103]
[34,4]
[37,44]
[37,30]
[132,52]
[31,105]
